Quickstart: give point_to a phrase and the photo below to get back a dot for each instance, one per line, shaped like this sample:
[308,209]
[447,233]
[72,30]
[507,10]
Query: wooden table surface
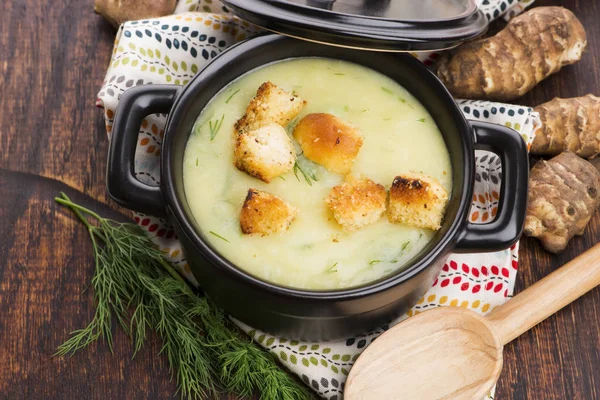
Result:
[53,57]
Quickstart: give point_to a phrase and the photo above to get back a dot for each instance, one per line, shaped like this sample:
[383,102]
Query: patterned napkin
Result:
[173,49]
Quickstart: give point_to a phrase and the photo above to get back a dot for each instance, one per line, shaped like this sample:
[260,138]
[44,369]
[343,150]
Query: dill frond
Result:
[215,127]
[136,285]
[308,177]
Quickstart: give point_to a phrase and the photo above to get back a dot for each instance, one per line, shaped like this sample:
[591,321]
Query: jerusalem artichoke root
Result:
[564,192]
[569,124]
[533,46]
[119,11]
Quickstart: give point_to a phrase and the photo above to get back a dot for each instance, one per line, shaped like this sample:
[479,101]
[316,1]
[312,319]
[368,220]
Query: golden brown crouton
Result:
[264,213]
[265,153]
[329,141]
[417,200]
[357,202]
[270,105]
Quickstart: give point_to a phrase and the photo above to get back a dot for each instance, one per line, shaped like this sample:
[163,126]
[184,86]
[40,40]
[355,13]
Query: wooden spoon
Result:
[455,353]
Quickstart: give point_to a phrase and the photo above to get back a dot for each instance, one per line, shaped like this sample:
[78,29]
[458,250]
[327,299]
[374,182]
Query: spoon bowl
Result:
[455,353]
[456,344]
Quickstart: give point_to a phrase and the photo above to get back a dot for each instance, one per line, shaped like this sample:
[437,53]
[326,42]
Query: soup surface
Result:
[314,253]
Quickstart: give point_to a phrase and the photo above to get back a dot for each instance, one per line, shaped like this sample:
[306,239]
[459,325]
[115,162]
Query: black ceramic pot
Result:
[302,314]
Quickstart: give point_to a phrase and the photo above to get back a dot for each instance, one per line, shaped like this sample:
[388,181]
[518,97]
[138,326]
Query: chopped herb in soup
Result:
[317,174]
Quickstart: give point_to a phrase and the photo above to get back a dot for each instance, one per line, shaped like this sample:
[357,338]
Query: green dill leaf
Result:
[374,262]
[134,283]
[281,177]
[199,128]
[308,177]
[332,268]
[421,235]
[405,245]
[339,74]
[365,110]
[421,120]
[196,161]
[219,236]
[387,90]
[230,97]
[215,127]
[393,261]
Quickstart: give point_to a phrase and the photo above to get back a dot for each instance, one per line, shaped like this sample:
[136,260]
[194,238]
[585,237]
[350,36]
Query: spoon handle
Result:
[547,296]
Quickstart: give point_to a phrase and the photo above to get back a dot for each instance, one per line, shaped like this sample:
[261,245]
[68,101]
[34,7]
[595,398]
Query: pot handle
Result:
[506,228]
[122,185]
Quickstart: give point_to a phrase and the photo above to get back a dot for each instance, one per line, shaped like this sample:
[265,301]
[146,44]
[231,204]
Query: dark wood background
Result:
[53,56]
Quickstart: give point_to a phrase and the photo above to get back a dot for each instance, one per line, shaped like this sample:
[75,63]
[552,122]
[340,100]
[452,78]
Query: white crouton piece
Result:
[357,202]
[264,213]
[265,153]
[270,105]
[329,141]
[417,200]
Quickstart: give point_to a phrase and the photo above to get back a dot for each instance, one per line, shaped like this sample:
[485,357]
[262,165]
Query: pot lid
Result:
[383,25]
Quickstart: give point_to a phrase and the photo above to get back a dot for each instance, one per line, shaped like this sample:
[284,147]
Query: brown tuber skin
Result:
[533,46]
[119,11]
[564,193]
[569,125]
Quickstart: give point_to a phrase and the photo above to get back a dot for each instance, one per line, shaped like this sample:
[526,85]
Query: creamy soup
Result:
[399,136]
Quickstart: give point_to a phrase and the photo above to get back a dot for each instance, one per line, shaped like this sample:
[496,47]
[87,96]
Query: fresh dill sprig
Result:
[374,262]
[387,90]
[332,268]
[215,127]
[230,97]
[219,236]
[134,283]
[421,120]
[308,177]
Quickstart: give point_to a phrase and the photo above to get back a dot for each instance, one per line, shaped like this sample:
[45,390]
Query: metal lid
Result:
[383,25]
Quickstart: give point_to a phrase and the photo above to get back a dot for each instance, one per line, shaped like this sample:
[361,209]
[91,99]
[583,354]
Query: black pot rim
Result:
[175,208]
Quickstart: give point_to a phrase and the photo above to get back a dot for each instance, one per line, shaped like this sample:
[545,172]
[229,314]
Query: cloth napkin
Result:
[173,49]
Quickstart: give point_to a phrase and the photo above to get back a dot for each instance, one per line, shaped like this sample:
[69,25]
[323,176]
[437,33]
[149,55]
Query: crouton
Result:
[264,214]
[417,200]
[357,202]
[329,141]
[265,153]
[270,105]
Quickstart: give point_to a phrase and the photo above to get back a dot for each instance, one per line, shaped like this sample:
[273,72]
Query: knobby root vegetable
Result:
[564,192]
[119,11]
[596,163]
[569,124]
[533,46]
